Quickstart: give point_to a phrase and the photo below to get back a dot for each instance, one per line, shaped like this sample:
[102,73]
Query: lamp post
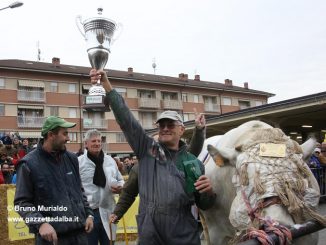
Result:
[13,5]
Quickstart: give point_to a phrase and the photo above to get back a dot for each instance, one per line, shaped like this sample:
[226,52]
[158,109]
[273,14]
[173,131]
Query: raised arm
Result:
[135,134]
[199,135]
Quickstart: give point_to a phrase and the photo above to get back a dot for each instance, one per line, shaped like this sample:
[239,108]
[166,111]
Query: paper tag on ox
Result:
[272,150]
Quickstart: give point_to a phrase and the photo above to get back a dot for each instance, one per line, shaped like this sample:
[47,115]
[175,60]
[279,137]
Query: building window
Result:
[2,82]
[2,109]
[54,111]
[31,91]
[169,96]
[243,104]
[72,112]
[210,100]
[94,119]
[54,87]
[121,138]
[258,102]
[227,101]
[211,104]
[186,117]
[30,116]
[150,94]
[122,92]
[196,98]
[185,97]
[146,119]
[72,88]
[72,136]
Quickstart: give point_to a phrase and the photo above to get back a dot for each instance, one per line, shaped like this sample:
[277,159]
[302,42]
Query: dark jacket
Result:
[128,194]
[49,186]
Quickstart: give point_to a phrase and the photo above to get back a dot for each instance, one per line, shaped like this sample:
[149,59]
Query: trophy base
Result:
[95,103]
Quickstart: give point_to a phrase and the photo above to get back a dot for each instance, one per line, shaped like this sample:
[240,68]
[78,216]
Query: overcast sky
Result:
[278,46]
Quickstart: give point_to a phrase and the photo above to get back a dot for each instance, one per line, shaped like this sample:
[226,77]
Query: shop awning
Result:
[33,107]
[33,135]
[30,83]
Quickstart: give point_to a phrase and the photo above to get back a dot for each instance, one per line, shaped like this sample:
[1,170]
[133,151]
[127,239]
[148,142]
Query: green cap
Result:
[53,122]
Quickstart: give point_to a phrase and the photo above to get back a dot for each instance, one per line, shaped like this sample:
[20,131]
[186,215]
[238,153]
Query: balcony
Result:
[29,122]
[149,103]
[212,108]
[172,104]
[33,96]
[89,123]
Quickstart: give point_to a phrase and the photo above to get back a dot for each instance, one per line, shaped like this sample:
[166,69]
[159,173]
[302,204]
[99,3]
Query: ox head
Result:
[229,146]
[242,147]
[227,150]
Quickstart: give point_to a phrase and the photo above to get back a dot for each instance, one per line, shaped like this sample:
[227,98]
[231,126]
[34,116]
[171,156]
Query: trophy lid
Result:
[99,22]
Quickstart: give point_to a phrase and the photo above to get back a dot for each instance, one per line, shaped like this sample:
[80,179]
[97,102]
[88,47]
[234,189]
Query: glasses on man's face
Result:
[169,125]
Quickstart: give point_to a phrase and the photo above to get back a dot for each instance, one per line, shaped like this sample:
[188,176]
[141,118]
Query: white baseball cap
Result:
[172,115]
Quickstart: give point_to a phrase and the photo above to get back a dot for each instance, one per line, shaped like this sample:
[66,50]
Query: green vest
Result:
[190,165]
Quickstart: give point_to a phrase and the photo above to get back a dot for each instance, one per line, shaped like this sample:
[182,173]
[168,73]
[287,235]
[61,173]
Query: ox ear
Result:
[308,147]
[220,156]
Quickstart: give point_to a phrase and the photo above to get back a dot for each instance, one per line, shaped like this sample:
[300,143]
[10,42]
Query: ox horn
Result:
[308,147]
[220,156]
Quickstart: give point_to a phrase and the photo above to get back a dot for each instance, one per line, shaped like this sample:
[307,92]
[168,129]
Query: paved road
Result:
[322,233]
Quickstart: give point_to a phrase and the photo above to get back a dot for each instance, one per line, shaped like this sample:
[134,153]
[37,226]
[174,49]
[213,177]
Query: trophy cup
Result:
[98,33]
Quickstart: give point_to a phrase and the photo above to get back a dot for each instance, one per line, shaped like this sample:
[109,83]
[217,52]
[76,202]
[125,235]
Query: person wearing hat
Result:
[314,159]
[130,189]
[49,194]
[315,165]
[170,179]
[6,139]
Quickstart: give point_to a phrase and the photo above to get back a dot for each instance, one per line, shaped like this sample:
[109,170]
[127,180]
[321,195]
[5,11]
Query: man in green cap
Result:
[49,194]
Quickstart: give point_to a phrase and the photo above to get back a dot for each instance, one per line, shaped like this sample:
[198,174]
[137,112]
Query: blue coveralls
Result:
[165,207]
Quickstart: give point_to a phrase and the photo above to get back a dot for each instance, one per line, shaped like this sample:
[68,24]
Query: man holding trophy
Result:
[164,167]
[170,179]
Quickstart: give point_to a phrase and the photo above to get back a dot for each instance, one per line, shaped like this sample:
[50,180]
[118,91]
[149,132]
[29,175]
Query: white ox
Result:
[228,148]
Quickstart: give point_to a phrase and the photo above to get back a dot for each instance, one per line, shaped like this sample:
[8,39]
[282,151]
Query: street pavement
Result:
[322,233]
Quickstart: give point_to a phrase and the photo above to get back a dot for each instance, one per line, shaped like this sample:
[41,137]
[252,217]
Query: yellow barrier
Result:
[13,232]
[129,219]
[16,232]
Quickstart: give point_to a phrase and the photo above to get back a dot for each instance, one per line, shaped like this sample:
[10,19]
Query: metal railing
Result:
[25,95]
[149,103]
[212,108]
[29,122]
[173,104]
[320,175]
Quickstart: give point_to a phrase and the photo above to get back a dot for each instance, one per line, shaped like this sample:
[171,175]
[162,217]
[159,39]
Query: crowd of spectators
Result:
[12,149]
[126,163]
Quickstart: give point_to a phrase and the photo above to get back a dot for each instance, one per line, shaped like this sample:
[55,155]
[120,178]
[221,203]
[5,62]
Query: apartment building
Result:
[31,91]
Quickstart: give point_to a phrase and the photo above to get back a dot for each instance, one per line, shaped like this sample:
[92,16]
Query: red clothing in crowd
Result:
[2,180]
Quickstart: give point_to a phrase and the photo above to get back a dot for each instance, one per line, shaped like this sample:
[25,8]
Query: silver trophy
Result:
[98,33]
